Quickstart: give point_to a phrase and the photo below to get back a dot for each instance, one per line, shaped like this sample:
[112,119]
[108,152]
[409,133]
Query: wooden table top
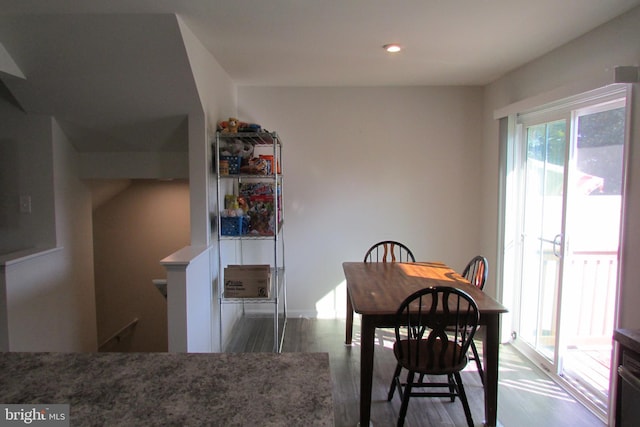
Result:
[380,288]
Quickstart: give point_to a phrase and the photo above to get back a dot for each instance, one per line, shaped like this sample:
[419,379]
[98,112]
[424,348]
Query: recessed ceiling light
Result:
[392,48]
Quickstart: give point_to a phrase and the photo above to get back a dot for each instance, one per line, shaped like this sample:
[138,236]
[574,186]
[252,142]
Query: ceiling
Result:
[116,75]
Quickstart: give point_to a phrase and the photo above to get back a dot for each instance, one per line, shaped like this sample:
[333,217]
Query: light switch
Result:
[25,204]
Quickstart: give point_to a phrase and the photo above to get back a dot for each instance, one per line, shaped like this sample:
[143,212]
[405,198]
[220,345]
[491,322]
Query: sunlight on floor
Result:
[540,387]
[333,305]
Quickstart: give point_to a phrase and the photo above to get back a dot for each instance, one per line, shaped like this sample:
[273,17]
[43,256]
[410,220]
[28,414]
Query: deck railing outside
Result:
[592,288]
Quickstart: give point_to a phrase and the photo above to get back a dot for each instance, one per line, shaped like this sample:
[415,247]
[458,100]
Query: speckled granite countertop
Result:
[151,389]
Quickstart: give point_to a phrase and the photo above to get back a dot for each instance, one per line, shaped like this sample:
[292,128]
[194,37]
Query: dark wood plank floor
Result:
[526,397]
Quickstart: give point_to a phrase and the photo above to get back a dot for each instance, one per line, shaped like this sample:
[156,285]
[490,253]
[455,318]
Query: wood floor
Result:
[526,397]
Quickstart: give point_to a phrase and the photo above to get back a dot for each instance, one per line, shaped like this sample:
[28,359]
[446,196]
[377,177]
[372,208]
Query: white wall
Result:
[217,100]
[25,170]
[74,235]
[49,295]
[585,63]
[366,164]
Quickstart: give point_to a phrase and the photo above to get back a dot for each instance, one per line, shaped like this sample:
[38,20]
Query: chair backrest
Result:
[476,271]
[389,251]
[434,329]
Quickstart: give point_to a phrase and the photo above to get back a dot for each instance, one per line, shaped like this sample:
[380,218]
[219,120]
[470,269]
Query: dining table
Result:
[376,290]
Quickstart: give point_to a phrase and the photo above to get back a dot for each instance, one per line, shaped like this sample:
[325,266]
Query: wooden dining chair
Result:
[433,331]
[389,251]
[476,272]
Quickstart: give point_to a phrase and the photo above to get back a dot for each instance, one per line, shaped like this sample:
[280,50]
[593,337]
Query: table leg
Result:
[349,331]
[367,332]
[491,346]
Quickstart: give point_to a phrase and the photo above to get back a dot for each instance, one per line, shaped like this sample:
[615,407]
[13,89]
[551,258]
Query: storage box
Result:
[234,225]
[234,164]
[270,164]
[247,281]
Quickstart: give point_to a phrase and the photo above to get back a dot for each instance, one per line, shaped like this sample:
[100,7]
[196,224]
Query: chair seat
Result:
[434,360]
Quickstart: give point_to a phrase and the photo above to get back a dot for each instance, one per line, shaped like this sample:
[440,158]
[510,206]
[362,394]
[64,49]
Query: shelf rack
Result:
[245,243]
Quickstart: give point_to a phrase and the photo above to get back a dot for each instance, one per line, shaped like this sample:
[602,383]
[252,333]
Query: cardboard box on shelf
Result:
[247,281]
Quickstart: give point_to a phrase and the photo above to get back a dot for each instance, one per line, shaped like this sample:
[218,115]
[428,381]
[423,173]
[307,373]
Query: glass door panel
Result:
[542,234]
[591,262]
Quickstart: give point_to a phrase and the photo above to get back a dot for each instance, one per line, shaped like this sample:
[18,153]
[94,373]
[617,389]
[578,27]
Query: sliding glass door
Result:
[567,211]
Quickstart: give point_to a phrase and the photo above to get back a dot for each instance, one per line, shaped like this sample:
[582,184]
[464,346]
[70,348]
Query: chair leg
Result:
[405,399]
[394,381]
[452,387]
[463,399]
[478,362]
